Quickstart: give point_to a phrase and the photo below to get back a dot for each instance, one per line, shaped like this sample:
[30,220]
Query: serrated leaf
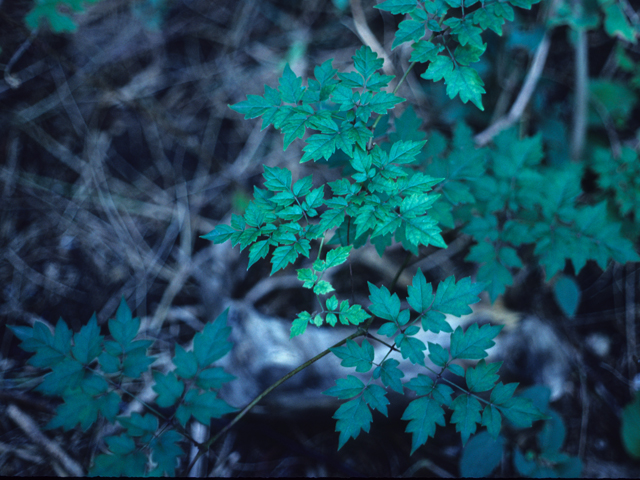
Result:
[376,398]
[123,328]
[87,342]
[521,412]
[366,62]
[135,362]
[168,388]
[384,305]
[186,363]
[425,51]
[203,407]
[422,384]
[466,416]
[337,256]
[455,298]
[213,378]
[473,344]
[397,6]
[78,408]
[390,374]
[411,348]
[438,354]
[290,88]
[438,69]
[165,451]
[501,393]
[352,417]
[423,414]
[345,388]
[138,425]
[482,377]
[353,355]
[465,82]
[212,343]
[408,30]
[299,325]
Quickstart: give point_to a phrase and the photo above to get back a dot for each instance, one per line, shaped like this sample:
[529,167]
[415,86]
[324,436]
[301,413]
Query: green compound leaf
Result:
[352,417]
[384,305]
[125,461]
[366,62]
[492,419]
[79,408]
[438,354]
[213,378]
[346,388]
[291,88]
[390,374]
[408,30]
[65,375]
[123,328]
[465,82]
[397,6]
[168,388]
[299,325]
[483,376]
[286,254]
[203,407]
[185,362]
[165,452]
[138,425]
[455,298]
[411,348]
[212,343]
[337,256]
[136,361]
[420,293]
[466,414]
[49,349]
[438,69]
[87,342]
[501,393]
[521,412]
[354,355]
[423,414]
[473,344]
[425,51]
[376,398]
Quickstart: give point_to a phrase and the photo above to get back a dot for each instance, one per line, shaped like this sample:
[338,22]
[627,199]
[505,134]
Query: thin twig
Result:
[524,96]
[581,97]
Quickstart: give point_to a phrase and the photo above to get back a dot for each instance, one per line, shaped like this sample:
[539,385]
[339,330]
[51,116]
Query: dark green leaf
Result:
[423,414]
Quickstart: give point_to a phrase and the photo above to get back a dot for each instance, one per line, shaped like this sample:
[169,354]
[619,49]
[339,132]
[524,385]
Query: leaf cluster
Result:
[90,372]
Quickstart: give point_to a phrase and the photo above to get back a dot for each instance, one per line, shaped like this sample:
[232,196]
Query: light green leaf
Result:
[465,82]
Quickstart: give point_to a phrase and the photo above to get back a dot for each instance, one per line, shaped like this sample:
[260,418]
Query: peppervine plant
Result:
[397,185]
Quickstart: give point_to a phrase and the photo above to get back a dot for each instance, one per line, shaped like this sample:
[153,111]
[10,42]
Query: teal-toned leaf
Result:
[291,88]
[78,408]
[465,82]
[438,69]
[123,328]
[422,384]
[168,388]
[390,374]
[567,293]
[299,325]
[138,425]
[345,388]
[481,455]
[483,376]
[366,62]
[212,343]
[66,375]
[521,412]
[501,393]
[492,419]
[408,30]
[376,398]
[165,452]
[455,298]
[384,305]
[49,349]
[423,414]
[185,362]
[352,417]
[438,354]
[135,362]
[397,6]
[435,322]
[203,407]
[87,342]
[411,348]
[473,344]
[466,416]
[213,378]
[631,427]
[354,355]
[425,51]
[257,251]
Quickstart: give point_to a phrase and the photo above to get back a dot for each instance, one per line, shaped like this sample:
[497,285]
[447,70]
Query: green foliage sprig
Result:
[93,376]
